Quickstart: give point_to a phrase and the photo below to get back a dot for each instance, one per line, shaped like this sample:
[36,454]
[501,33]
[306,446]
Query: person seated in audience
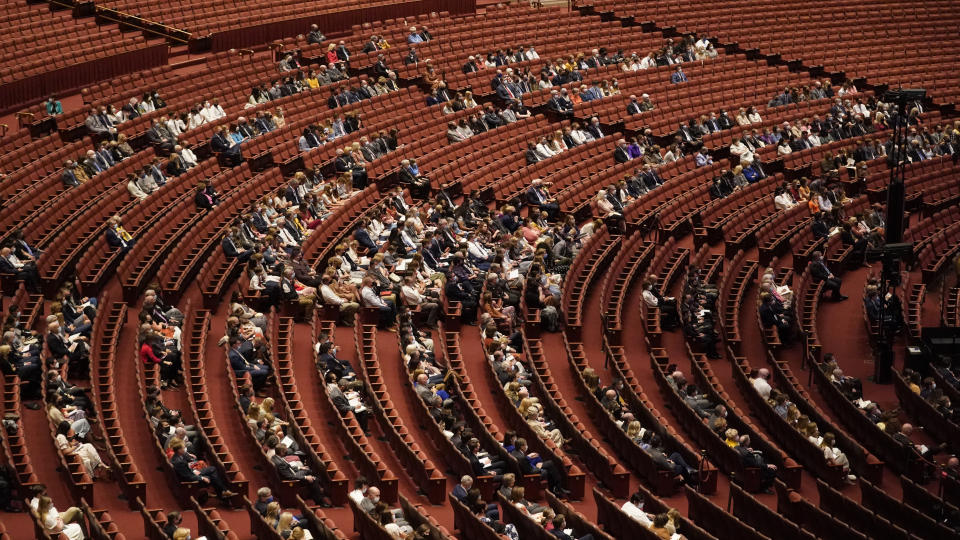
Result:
[346,305]
[751,458]
[189,469]
[903,436]
[22,269]
[174,520]
[678,76]
[385,306]
[783,199]
[243,360]
[287,471]
[835,456]
[545,468]
[821,273]
[562,532]
[57,524]
[660,526]
[69,444]
[850,387]
[152,351]
[223,144]
[315,35]
[669,319]
[633,508]
[773,314]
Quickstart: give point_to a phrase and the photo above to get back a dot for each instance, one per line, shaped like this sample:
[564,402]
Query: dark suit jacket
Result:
[285,470]
[181,466]
[6,267]
[57,346]
[620,155]
[819,271]
[459,493]
[219,144]
[363,237]
[768,316]
[113,239]
[525,466]
[69,179]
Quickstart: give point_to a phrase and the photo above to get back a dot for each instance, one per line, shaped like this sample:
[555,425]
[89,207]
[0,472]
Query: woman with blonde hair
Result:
[253,415]
[525,405]
[272,515]
[634,431]
[286,524]
[512,391]
[53,522]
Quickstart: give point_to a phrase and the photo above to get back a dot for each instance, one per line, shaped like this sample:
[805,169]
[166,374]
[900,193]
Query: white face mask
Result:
[375,500]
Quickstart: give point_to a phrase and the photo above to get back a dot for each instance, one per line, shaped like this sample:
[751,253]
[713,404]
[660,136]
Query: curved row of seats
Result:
[667,265]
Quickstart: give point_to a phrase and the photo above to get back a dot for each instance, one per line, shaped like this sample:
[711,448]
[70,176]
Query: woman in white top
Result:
[468,100]
[649,61]
[753,116]
[69,445]
[544,149]
[605,206]
[57,523]
[195,120]
[742,118]
[116,116]
[173,125]
[386,519]
[784,147]
[835,456]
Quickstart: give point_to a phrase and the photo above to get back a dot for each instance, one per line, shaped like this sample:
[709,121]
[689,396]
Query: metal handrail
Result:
[118,18]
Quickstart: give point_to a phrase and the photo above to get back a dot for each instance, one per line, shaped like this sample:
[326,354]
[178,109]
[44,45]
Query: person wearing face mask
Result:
[369,502]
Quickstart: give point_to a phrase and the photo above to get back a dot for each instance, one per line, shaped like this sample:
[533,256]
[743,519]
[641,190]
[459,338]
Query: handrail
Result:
[107,13]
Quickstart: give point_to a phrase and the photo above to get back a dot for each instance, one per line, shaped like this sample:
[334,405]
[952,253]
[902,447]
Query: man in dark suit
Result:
[361,235]
[159,138]
[531,154]
[302,475]
[222,144]
[819,228]
[460,491]
[26,271]
[315,35]
[819,272]
[545,468]
[558,104]
[634,106]
[231,250]
[240,363]
[651,180]
[470,66]
[771,314]
[463,488]
[183,466]
[620,153]
[594,128]
[410,175]
[560,526]
[344,163]
[328,362]
[537,196]
[751,458]
[68,176]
